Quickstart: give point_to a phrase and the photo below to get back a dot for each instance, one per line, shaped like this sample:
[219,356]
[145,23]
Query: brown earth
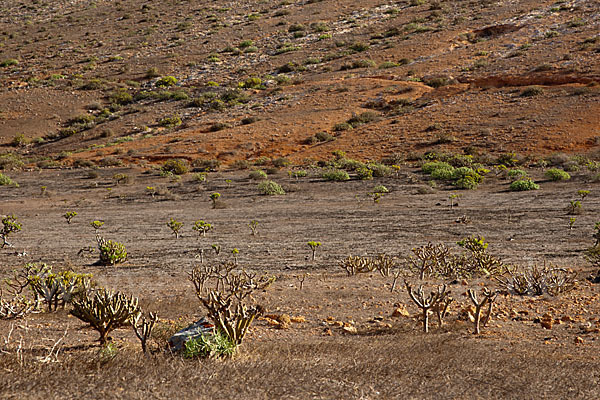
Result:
[386,357]
[484,53]
[480,77]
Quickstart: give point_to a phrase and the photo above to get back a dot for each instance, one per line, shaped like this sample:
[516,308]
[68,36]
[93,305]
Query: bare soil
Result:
[79,103]
[514,357]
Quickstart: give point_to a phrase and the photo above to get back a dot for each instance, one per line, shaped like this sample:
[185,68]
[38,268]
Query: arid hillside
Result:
[91,80]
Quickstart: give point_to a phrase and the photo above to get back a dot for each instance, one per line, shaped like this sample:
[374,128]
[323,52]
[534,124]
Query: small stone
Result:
[567,318]
[284,319]
[400,311]
[350,329]
[327,332]
[546,323]
[298,319]
[578,340]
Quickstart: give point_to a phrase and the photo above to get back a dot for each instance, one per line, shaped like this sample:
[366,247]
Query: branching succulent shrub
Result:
[270,188]
[438,260]
[96,225]
[10,225]
[143,327]
[53,288]
[69,216]
[557,174]
[382,263]
[175,227]
[428,303]
[111,252]
[13,304]
[253,225]
[105,311]
[488,298]
[214,197]
[202,227]
[314,246]
[227,302]
[537,281]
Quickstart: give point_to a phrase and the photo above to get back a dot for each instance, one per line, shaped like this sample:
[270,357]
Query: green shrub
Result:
[557,174]
[467,182]
[6,181]
[258,175]
[166,81]
[9,62]
[170,122]
[443,173]
[388,64]
[270,188]
[379,170]
[429,167]
[111,252]
[301,173]
[335,175]
[380,189]
[516,174]
[10,161]
[342,126]
[209,346]
[364,173]
[121,97]
[524,184]
[177,166]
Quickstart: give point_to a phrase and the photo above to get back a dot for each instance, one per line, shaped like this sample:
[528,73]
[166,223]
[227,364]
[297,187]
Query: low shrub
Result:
[166,81]
[524,184]
[7,181]
[335,175]
[111,252]
[258,175]
[209,346]
[176,166]
[557,174]
[516,174]
[270,188]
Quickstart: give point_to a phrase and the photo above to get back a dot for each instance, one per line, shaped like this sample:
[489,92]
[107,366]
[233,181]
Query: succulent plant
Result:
[106,310]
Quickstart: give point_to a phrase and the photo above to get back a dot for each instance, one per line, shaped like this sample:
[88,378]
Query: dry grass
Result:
[388,365]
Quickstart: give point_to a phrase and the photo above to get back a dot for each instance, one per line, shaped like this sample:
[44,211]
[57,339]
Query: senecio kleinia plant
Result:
[175,226]
[202,227]
[214,197]
[69,216]
[111,252]
[313,246]
[10,225]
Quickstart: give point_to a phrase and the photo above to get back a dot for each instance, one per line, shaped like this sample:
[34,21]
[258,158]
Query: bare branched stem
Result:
[488,298]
